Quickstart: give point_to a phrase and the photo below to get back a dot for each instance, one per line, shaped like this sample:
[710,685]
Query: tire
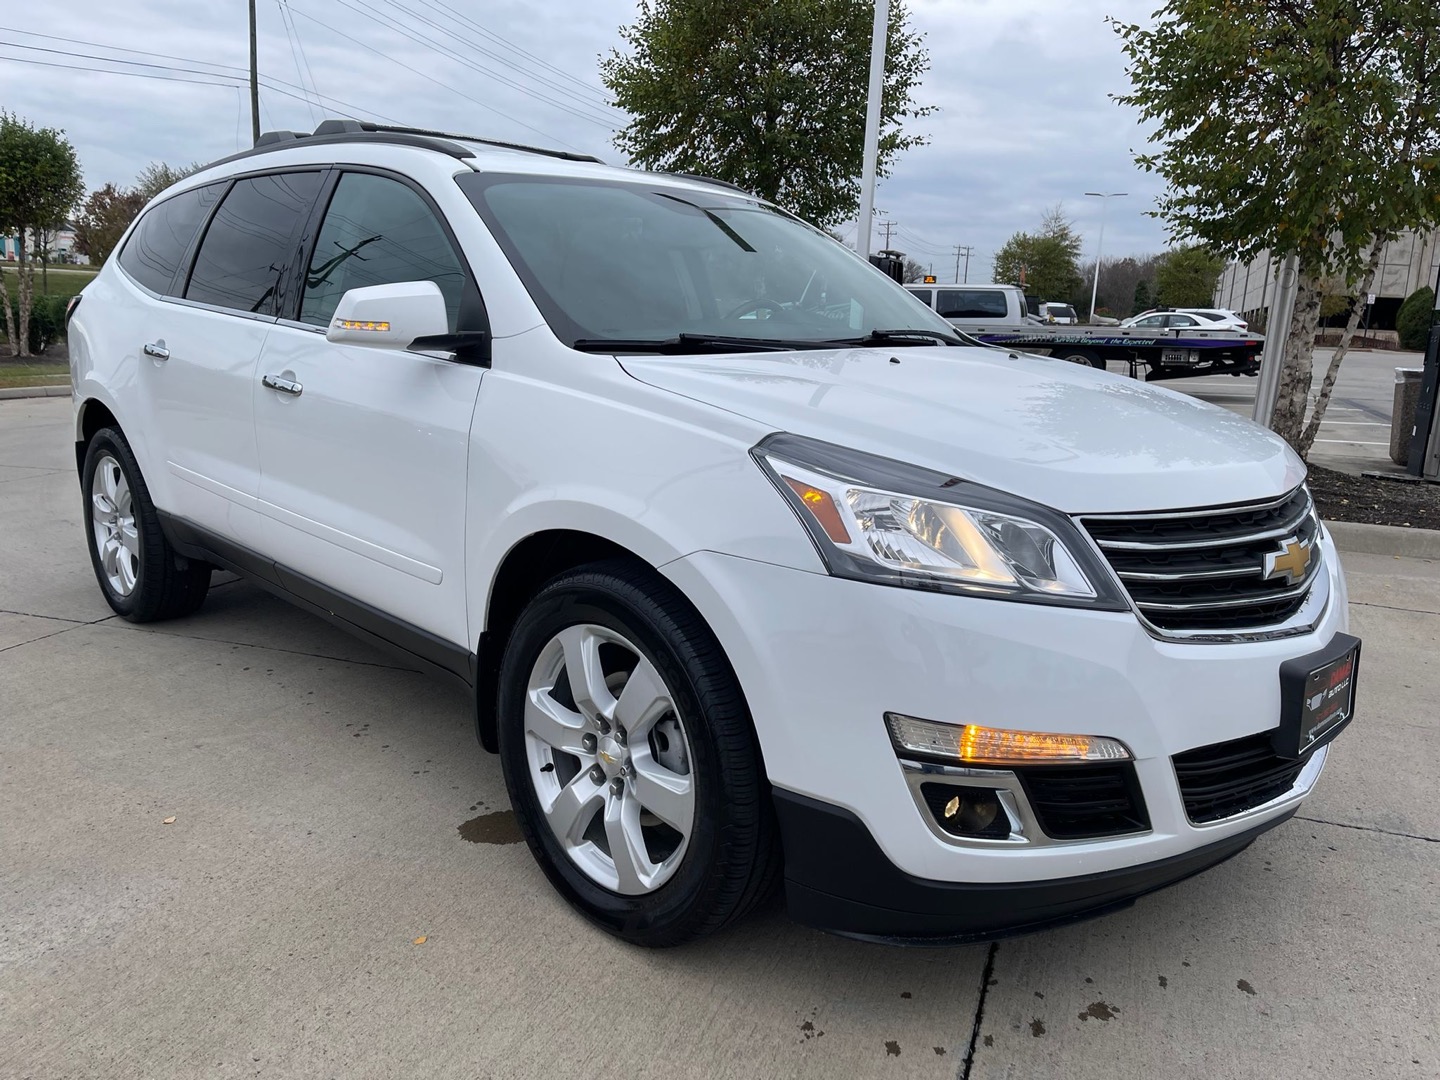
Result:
[1072,355]
[581,793]
[140,574]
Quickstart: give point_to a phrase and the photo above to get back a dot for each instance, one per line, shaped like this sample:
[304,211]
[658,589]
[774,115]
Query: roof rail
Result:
[358,127]
[711,180]
[345,131]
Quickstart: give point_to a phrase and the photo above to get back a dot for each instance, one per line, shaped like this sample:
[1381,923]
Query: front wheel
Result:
[142,577]
[630,759]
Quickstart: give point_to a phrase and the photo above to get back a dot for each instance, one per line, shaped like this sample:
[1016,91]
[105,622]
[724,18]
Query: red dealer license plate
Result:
[1318,695]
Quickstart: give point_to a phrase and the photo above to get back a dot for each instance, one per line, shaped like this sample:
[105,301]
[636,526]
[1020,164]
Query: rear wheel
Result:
[142,577]
[630,759]
[1072,355]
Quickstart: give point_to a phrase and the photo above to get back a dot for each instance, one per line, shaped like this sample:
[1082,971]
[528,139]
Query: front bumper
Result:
[821,660]
[837,879]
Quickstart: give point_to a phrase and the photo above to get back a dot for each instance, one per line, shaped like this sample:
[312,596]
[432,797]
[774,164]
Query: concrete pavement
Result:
[322,798]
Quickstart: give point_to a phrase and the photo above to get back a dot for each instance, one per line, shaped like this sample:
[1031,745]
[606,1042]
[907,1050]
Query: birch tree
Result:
[1308,127]
[39,185]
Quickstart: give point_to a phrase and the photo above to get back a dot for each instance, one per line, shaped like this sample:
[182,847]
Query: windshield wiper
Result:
[900,337]
[682,344]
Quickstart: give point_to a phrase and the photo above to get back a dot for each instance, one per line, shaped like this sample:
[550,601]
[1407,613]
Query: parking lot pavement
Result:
[1355,436]
[322,797]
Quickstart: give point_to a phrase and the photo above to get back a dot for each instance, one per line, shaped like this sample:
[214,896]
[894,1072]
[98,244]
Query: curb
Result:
[12,393]
[1359,539]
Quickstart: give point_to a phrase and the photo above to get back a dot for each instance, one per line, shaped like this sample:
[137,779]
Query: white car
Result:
[1188,318]
[753,571]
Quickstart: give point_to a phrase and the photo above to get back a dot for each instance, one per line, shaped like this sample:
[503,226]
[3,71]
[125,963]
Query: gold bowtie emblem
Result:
[1291,562]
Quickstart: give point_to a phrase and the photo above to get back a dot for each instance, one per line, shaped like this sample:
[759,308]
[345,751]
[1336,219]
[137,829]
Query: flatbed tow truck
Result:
[998,315]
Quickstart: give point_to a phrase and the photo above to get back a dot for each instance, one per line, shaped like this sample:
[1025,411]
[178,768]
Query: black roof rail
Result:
[349,131]
[362,126]
[711,180]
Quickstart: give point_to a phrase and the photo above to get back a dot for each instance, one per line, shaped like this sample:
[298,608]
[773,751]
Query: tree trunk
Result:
[9,315]
[24,290]
[1288,419]
[1307,439]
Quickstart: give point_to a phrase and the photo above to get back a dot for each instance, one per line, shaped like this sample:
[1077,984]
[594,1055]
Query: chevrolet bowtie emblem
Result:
[1290,563]
[607,758]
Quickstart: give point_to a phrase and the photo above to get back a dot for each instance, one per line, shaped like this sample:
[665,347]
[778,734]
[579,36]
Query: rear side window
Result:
[925,296]
[155,249]
[378,231]
[251,240]
[971,303]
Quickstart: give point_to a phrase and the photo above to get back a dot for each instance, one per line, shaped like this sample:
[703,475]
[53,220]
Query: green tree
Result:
[767,94]
[1309,127]
[1142,298]
[39,185]
[157,176]
[1186,277]
[1413,319]
[1046,262]
[103,219]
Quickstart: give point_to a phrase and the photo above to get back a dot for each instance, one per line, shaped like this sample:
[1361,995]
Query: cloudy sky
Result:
[1024,119]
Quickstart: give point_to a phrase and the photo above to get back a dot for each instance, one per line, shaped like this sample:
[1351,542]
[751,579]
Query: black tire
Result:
[167,584]
[1072,355]
[732,860]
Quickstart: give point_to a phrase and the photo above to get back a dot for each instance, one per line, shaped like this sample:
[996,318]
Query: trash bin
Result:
[1402,417]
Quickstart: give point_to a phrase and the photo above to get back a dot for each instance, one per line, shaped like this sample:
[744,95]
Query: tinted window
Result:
[251,240]
[1153,320]
[155,248]
[378,232]
[971,303]
[647,260]
[925,296]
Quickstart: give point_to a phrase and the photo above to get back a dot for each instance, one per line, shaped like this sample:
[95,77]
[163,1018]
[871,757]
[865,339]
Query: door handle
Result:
[156,350]
[285,386]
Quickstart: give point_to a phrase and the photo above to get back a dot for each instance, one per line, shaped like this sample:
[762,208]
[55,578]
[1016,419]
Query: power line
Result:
[546,81]
[388,22]
[295,57]
[313,84]
[966,250]
[506,43]
[431,78]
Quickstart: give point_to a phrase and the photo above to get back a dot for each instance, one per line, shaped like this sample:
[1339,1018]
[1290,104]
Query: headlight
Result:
[878,520]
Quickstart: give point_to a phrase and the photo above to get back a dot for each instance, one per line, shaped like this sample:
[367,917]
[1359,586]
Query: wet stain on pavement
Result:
[1037,1027]
[499,827]
[1164,982]
[904,993]
[1243,985]
[1099,1010]
[989,1040]
[892,1048]
[939,1051]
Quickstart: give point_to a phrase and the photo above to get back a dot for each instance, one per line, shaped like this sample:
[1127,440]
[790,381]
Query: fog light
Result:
[967,811]
[973,744]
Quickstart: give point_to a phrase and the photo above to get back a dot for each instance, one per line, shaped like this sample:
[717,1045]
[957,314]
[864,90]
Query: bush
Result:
[1413,321]
[47,321]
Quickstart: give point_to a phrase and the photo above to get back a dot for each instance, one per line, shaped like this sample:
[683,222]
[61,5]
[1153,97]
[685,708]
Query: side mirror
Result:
[389,316]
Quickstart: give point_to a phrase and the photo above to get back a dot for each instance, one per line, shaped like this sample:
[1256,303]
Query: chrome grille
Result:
[1204,570]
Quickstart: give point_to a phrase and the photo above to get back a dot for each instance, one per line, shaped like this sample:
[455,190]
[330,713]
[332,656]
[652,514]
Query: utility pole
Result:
[254,82]
[871,155]
[888,226]
[962,250]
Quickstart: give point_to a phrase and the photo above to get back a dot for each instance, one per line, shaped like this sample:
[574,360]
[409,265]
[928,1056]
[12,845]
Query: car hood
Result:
[1062,434]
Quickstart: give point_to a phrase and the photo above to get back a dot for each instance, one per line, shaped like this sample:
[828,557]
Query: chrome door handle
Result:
[159,352]
[285,386]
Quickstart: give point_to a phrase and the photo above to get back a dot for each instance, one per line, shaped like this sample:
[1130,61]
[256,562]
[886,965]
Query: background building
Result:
[1406,264]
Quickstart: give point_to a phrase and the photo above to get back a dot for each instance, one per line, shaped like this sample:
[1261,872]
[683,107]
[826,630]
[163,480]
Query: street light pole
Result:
[1104,198]
[872,125]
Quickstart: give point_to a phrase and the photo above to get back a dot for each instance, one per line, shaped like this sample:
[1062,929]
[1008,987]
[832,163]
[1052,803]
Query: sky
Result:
[1024,119]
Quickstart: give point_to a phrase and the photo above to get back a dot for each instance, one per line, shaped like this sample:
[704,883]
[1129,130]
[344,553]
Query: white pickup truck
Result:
[998,315]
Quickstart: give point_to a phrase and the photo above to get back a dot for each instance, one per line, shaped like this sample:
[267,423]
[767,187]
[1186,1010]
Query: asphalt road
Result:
[322,797]
[1355,435]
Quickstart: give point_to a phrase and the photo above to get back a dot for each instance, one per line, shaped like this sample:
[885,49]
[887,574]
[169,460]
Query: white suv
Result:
[752,568]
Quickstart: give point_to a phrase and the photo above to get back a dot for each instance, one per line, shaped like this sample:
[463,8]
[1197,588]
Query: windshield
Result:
[641,262]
